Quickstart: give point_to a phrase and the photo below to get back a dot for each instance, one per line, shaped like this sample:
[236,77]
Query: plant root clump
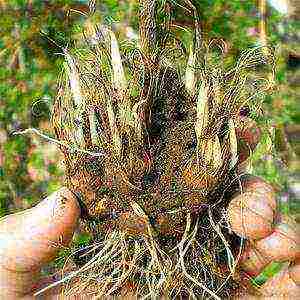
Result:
[148,133]
[194,266]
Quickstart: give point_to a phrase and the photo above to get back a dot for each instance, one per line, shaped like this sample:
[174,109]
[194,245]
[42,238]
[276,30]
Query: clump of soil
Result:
[151,155]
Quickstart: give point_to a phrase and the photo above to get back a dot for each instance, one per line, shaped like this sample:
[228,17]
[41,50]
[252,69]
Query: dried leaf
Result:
[190,73]
[119,79]
[233,144]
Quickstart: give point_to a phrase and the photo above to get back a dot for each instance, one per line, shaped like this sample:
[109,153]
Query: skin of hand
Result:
[279,287]
[32,238]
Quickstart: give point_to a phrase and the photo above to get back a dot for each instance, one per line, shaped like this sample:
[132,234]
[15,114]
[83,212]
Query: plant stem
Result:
[147,26]
[262,25]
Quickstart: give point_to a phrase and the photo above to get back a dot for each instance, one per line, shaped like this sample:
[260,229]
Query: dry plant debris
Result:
[151,138]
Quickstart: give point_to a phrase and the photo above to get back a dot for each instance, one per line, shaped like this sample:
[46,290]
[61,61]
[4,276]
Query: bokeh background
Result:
[32,34]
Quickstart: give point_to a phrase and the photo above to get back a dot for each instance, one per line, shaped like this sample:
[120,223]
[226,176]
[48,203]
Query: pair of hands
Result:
[32,238]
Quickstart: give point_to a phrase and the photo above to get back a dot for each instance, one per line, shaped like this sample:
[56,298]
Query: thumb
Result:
[32,238]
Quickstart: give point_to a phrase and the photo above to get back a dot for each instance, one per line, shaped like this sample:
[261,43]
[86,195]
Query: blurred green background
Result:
[30,63]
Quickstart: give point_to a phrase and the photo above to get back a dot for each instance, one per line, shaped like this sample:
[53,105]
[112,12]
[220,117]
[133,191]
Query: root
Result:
[155,272]
[143,148]
[58,142]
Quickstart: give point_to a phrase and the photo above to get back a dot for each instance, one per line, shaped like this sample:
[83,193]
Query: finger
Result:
[282,245]
[281,285]
[252,209]
[33,237]
[294,271]
[252,261]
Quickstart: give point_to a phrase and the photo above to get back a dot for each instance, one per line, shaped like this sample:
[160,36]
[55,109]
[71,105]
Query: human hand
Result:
[273,248]
[31,239]
[271,237]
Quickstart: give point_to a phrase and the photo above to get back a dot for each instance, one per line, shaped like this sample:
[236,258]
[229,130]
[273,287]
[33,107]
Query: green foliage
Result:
[28,75]
[272,269]
[81,240]
[61,259]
